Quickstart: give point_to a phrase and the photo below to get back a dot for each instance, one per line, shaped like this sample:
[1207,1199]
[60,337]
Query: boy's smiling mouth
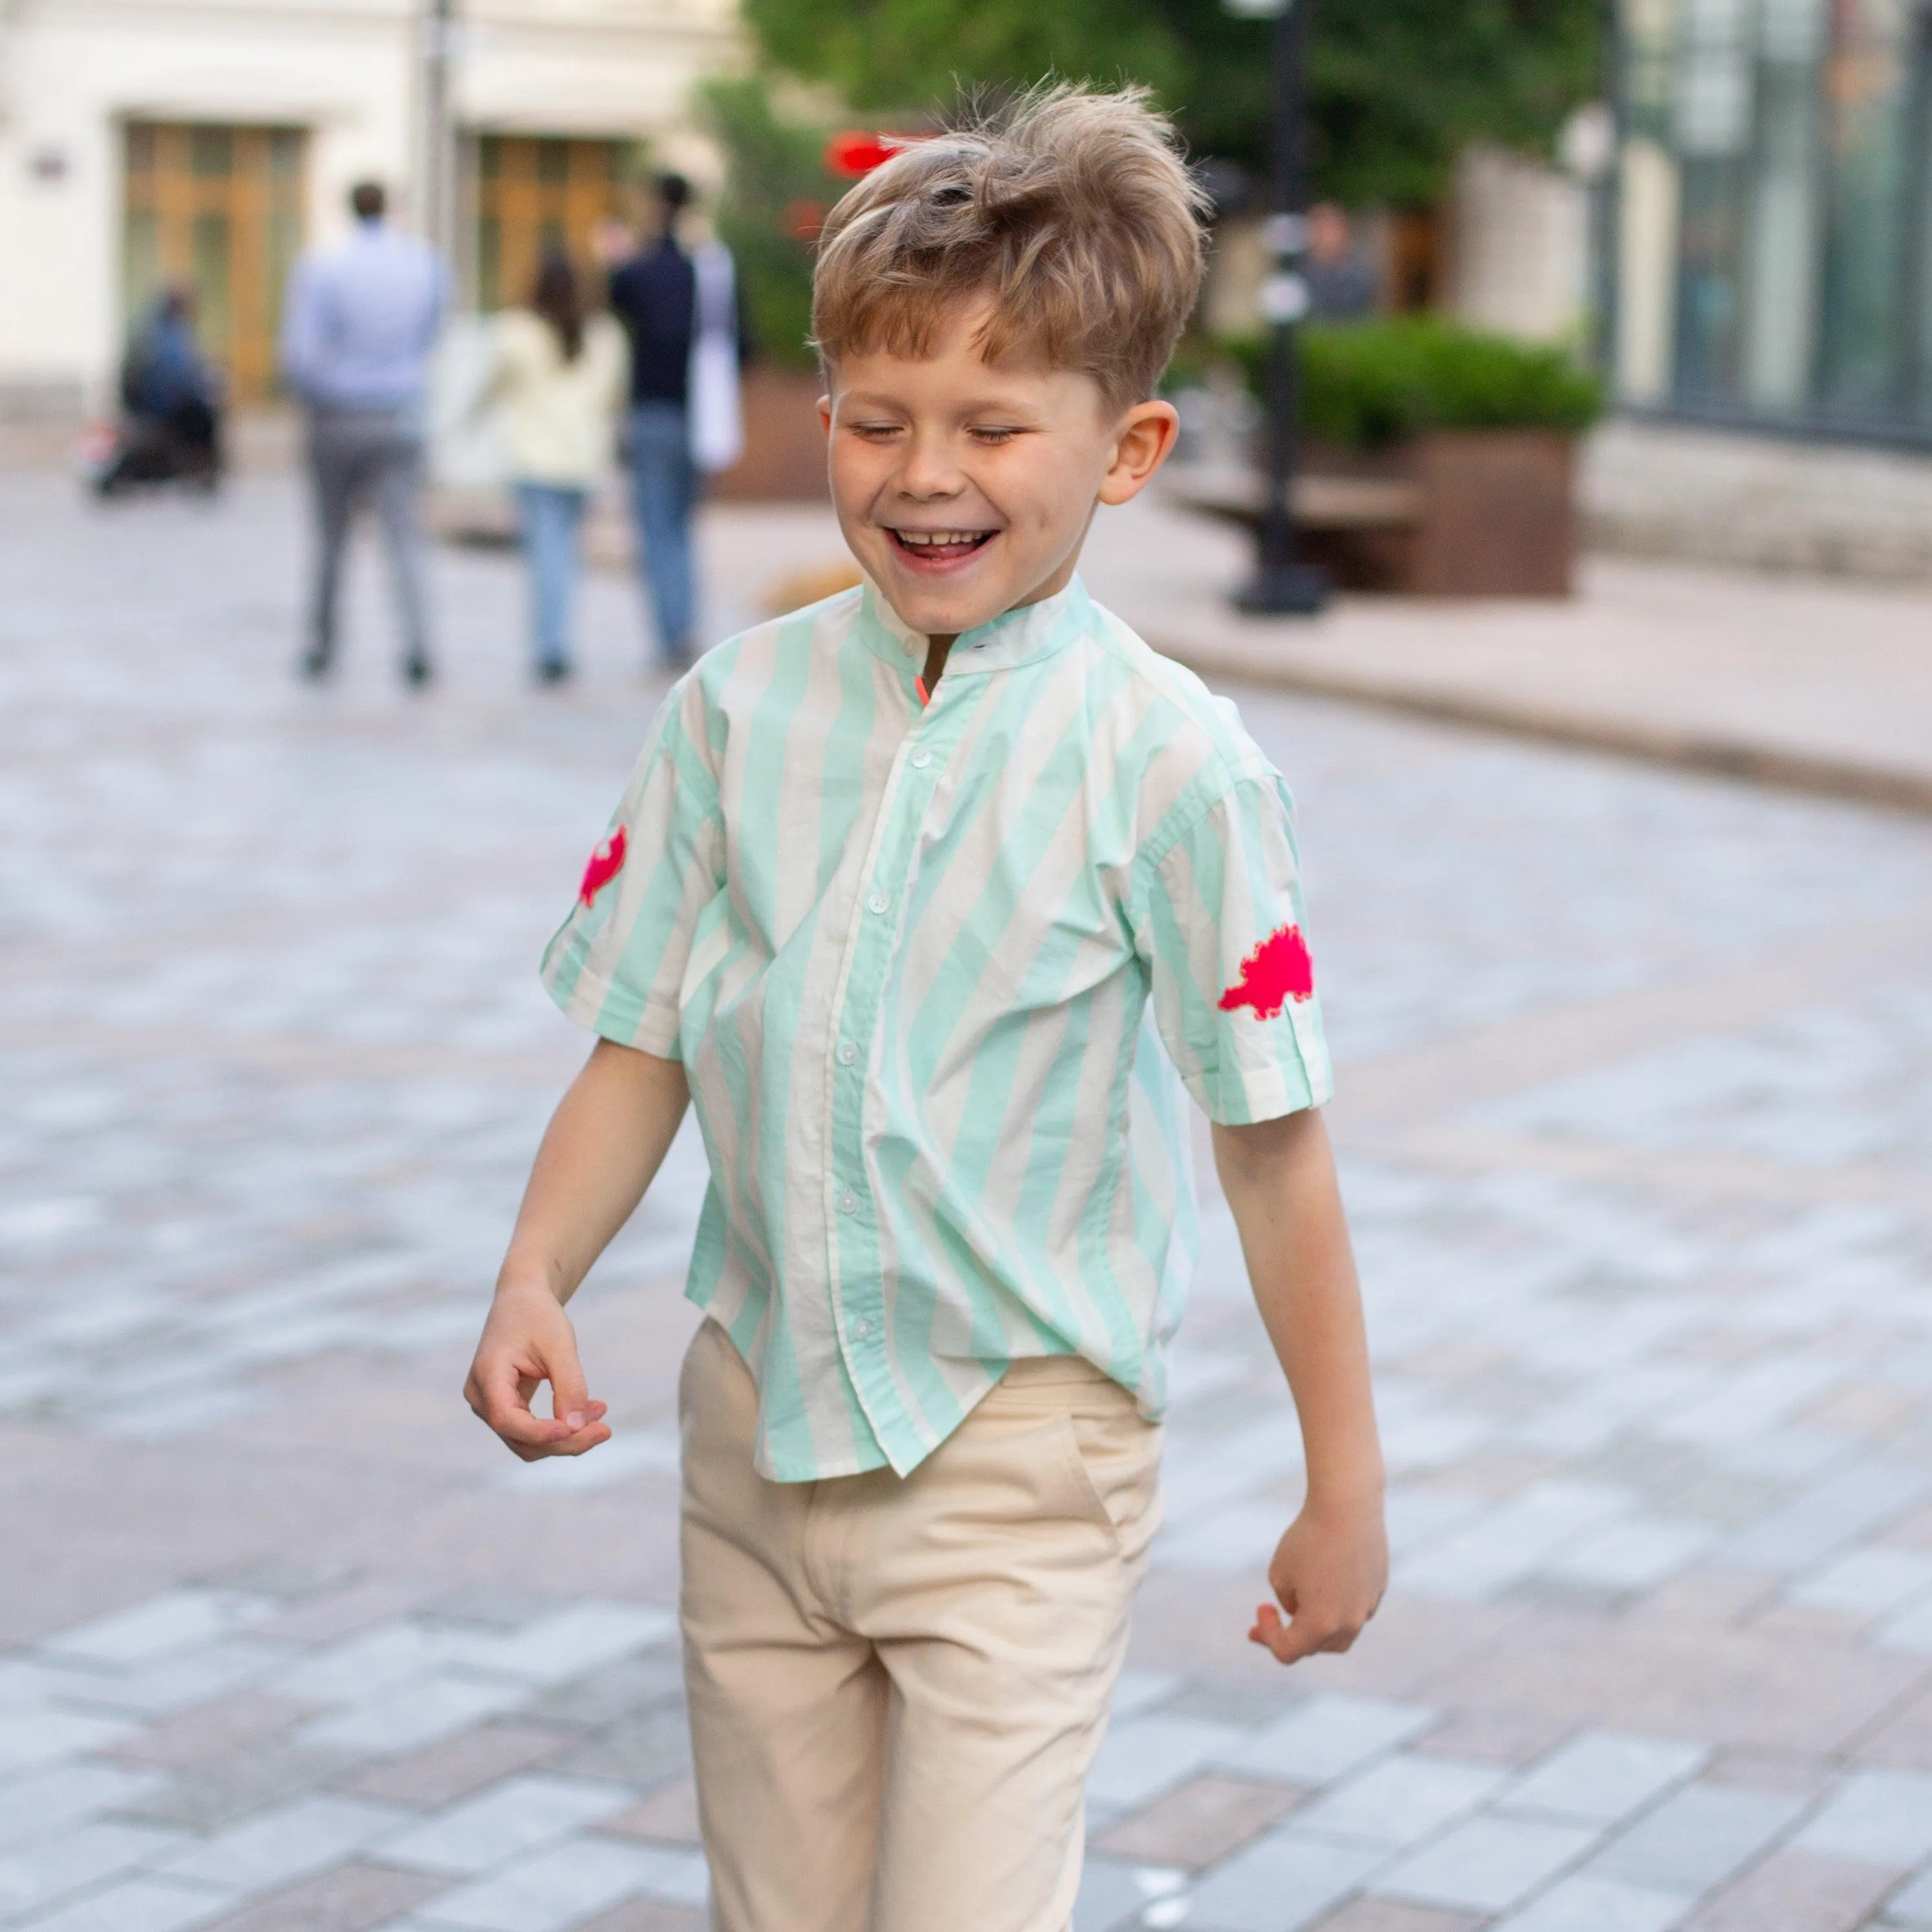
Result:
[932,550]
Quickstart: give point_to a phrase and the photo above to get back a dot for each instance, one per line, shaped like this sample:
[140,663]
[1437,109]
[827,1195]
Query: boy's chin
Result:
[942,610]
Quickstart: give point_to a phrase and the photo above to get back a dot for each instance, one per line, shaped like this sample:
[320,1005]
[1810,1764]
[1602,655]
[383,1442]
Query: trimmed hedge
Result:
[1367,383]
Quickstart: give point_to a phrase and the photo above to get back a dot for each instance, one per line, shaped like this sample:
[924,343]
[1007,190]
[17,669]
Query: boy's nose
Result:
[928,471]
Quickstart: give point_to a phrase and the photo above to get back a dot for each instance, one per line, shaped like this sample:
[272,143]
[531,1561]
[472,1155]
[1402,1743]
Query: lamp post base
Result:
[1283,590]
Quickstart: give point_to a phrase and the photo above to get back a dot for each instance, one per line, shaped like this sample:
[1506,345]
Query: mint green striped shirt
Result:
[937,974]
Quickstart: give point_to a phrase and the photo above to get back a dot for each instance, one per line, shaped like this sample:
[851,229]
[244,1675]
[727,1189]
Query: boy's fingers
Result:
[502,1399]
[1302,1636]
[569,1394]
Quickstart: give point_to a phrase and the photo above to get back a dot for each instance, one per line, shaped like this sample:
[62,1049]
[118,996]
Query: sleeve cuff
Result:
[614,1013]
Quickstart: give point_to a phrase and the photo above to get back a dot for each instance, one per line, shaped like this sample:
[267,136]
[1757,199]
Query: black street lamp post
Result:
[1281,585]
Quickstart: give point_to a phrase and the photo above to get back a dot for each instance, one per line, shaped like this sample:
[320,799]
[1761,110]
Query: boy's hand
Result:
[1329,1571]
[526,1341]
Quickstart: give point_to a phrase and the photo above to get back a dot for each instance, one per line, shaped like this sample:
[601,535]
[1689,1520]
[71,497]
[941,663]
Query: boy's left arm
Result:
[1330,1568]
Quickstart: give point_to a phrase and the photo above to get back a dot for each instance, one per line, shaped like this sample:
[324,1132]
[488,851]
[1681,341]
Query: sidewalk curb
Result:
[1754,764]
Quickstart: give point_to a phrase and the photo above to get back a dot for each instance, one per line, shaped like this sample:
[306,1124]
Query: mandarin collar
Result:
[1015,636]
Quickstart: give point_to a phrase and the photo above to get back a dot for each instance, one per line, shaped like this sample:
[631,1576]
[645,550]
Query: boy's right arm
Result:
[604,1145]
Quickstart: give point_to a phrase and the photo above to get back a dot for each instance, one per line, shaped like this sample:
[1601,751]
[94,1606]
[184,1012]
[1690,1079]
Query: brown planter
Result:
[784,448]
[1495,516]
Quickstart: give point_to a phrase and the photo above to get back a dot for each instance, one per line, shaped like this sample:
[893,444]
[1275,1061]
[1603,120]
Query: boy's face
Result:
[964,488]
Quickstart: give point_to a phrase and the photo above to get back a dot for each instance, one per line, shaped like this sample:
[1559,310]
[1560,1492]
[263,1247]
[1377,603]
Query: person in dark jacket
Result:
[660,296]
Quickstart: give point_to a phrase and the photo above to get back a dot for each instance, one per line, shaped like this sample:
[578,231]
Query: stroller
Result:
[169,430]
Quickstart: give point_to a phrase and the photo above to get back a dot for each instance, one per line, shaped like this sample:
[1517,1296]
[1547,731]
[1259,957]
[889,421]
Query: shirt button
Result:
[848,1204]
[921,759]
[861,1328]
[848,1053]
[877,902]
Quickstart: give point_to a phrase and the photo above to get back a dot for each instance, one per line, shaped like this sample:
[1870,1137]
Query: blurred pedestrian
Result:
[682,313]
[168,382]
[561,376]
[358,325]
[1341,280]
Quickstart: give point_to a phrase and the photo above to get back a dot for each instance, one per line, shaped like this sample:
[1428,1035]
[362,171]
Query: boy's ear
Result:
[1142,444]
[825,416]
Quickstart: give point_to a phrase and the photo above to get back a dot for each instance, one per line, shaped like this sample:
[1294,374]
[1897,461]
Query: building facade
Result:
[1772,225]
[144,142]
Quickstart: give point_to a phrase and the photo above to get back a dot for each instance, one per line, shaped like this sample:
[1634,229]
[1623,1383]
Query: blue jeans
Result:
[550,516]
[664,486]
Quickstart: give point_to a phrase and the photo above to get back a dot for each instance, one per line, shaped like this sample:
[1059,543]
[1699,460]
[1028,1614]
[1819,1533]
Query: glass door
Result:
[219,208]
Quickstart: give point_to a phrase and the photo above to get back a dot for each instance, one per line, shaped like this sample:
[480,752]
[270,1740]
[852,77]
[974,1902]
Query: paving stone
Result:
[180,1679]
[1796,1892]
[560,1886]
[1601,1777]
[1486,1864]
[139,1905]
[645,1681]
[645,1749]
[1586,1904]
[1280,1884]
[506,1822]
[1400,1801]
[1912,1903]
[38,1873]
[1111,1897]
[36,1737]
[36,1804]
[353,1898]
[1327,1737]
[1875,1818]
[406,1717]
[1136,1690]
[502,1607]
[647,1915]
[175,1620]
[569,1642]
[441,1773]
[219,1792]
[1391,1914]
[214,1729]
[1500,1736]
[1868,1583]
[286,1844]
[1147,1755]
[1197,1823]
[1697,1838]
[669,1815]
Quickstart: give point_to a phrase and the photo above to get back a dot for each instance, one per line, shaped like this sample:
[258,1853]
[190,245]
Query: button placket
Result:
[854,1236]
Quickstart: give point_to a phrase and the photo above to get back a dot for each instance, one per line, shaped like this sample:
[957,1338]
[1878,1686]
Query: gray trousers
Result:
[357,457]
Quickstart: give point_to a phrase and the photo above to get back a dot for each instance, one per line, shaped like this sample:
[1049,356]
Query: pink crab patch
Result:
[1279,970]
[606,863]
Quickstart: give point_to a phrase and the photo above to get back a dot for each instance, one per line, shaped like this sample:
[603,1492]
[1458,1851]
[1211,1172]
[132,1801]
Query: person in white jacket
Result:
[560,375]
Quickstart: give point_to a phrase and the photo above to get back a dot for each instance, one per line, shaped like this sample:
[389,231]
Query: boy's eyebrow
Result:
[868,399]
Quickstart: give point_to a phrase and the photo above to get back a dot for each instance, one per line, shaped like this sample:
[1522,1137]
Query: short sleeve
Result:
[1217,919]
[617,963]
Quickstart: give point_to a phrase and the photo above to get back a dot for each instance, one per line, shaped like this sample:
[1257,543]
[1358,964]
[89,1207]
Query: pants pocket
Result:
[1115,1458]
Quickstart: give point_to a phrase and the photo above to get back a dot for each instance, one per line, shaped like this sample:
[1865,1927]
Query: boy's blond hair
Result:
[1070,211]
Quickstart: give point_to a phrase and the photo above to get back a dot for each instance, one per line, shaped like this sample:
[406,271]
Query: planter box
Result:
[1454,513]
[783,460]
[1495,516]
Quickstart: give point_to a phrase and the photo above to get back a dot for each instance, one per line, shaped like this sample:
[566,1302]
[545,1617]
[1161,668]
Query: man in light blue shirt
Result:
[357,328]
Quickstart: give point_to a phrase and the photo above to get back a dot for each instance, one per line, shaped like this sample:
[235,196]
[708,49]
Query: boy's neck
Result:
[939,646]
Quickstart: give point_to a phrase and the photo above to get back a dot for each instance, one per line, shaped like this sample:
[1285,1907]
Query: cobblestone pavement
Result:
[1636,1118]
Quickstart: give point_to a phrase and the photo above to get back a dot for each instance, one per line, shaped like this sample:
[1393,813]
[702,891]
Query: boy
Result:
[923,895]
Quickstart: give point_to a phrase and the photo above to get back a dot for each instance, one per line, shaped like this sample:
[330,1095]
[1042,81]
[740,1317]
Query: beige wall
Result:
[348,70]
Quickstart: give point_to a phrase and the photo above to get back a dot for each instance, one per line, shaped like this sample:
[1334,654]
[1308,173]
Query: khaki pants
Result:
[897,1685]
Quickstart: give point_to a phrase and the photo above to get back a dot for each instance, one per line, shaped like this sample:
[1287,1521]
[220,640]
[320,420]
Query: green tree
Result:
[1397,88]
[775,191]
